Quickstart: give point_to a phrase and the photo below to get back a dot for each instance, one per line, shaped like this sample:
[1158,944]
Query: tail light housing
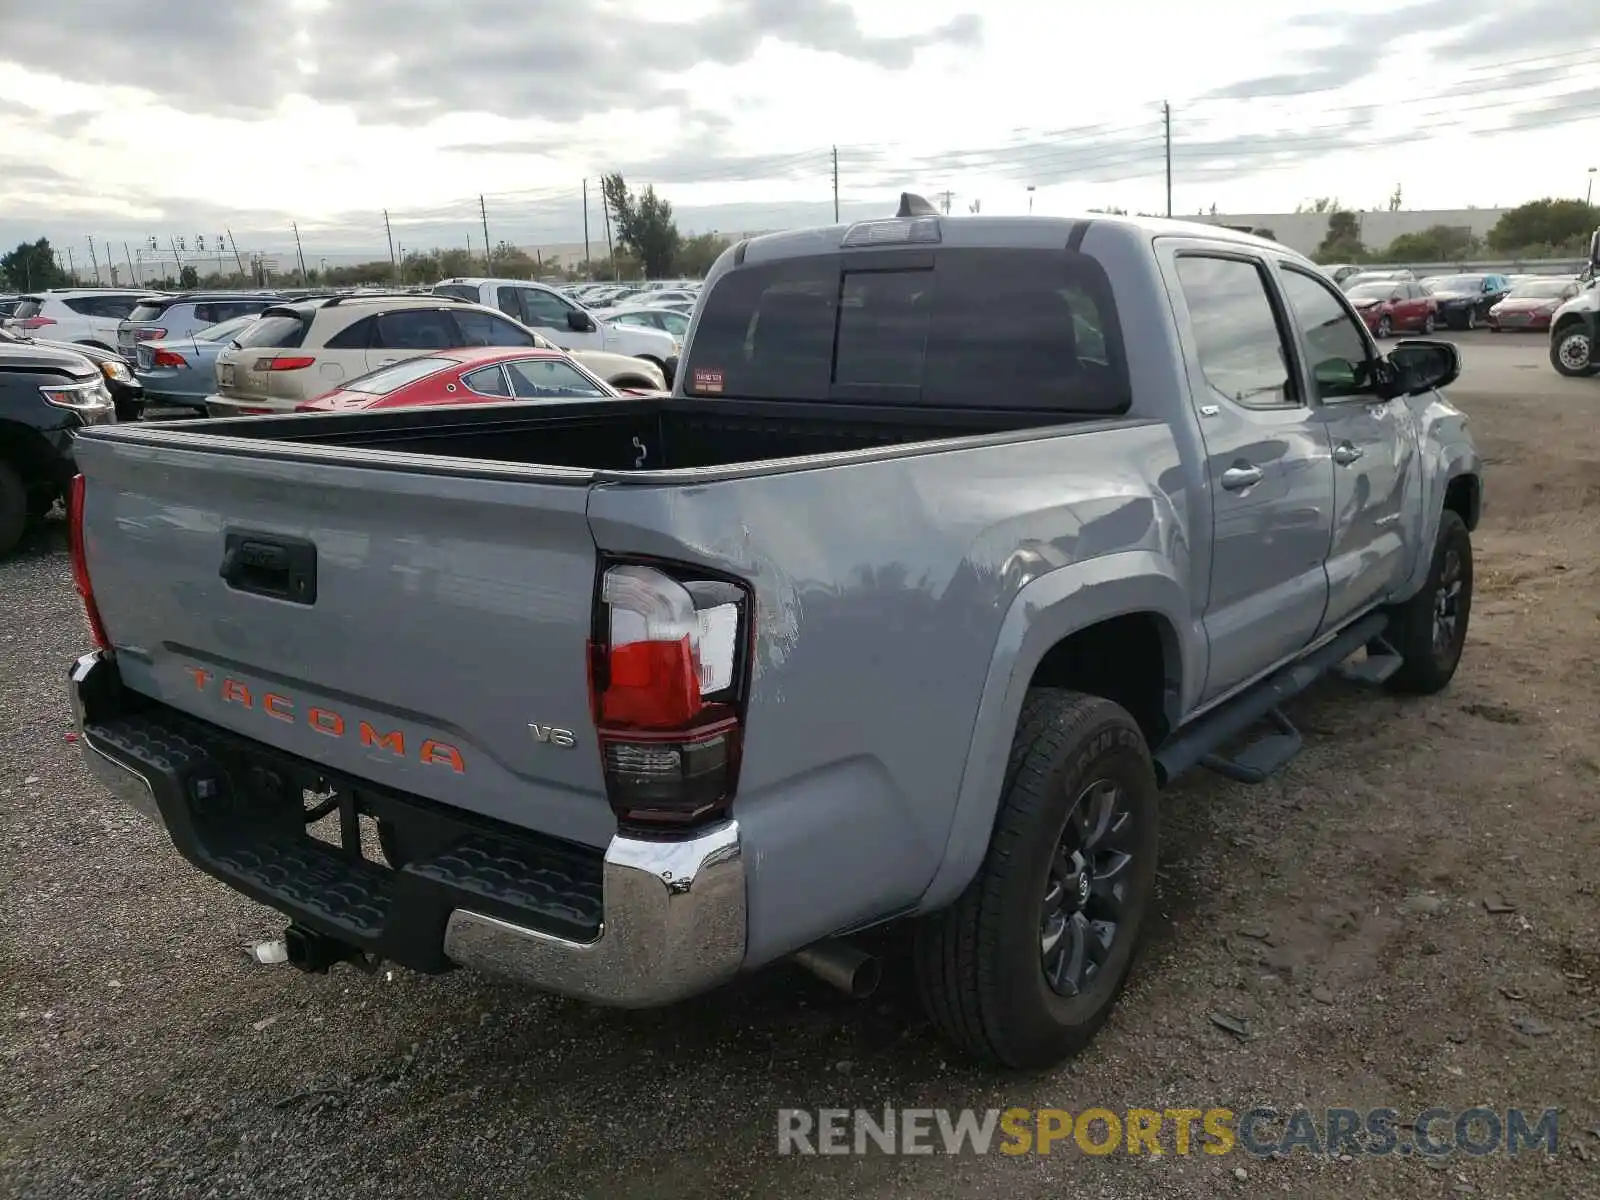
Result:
[37,322]
[80,563]
[167,358]
[669,668]
[283,362]
[148,335]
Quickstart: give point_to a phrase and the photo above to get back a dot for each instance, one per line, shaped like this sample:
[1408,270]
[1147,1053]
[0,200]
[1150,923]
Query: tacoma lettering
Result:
[326,721]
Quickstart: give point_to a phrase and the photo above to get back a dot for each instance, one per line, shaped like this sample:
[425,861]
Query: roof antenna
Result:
[912,205]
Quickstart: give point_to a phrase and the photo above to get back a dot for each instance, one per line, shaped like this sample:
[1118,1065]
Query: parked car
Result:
[1391,305]
[1339,272]
[1360,277]
[1532,303]
[47,395]
[89,315]
[158,317]
[127,395]
[179,373]
[8,305]
[1465,300]
[562,321]
[671,322]
[1575,326]
[638,701]
[479,375]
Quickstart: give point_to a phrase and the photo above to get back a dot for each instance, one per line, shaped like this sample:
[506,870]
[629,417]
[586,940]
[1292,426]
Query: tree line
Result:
[1545,228]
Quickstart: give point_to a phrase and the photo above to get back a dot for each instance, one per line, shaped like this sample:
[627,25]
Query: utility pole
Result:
[95,261]
[299,253]
[72,267]
[611,251]
[587,269]
[945,198]
[394,263]
[132,270]
[237,260]
[111,270]
[488,257]
[836,185]
[173,242]
[1166,120]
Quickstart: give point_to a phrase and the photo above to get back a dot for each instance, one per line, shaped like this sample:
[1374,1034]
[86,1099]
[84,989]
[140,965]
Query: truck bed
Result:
[621,435]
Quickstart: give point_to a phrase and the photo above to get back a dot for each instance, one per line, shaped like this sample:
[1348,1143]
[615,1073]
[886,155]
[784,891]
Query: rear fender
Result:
[1044,612]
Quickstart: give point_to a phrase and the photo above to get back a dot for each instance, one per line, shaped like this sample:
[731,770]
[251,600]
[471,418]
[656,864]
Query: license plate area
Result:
[225,374]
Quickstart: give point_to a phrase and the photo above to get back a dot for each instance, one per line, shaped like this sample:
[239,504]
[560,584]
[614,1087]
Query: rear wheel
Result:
[1428,323]
[1470,321]
[1025,966]
[14,508]
[1385,326]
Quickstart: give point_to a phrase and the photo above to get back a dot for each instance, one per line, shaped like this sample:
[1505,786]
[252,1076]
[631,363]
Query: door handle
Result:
[1236,479]
[1344,454]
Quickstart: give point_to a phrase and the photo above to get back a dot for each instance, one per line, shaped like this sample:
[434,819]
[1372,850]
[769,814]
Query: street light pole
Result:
[1588,192]
[1030,199]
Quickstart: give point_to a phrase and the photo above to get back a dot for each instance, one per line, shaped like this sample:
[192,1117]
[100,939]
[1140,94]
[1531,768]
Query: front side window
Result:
[414,329]
[1335,345]
[544,308]
[480,328]
[1240,345]
[548,379]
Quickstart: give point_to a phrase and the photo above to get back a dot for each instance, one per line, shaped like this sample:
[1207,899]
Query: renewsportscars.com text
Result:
[1261,1132]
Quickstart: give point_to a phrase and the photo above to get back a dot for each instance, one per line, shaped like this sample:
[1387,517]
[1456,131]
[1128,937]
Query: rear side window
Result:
[487,381]
[479,328]
[275,331]
[213,311]
[386,380]
[414,329]
[148,312]
[102,306]
[1241,347]
[962,328]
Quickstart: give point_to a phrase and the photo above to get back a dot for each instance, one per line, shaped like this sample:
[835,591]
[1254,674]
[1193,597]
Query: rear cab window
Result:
[461,291]
[148,310]
[382,382]
[275,330]
[28,307]
[953,327]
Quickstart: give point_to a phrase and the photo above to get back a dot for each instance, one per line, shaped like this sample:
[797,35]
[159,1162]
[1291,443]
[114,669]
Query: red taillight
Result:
[168,358]
[80,563]
[667,677]
[37,322]
[283,363]
[148,335]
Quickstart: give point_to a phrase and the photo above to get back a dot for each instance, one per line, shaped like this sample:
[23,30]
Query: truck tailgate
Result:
[449,613]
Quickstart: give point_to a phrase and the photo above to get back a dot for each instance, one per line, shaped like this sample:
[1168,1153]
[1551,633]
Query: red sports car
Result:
[469,375]
[1531,303]
[1390,305]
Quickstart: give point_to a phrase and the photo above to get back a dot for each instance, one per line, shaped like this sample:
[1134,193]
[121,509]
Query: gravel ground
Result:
[1342,910]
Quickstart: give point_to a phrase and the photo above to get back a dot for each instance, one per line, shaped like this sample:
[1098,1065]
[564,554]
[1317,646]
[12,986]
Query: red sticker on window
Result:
[708,381]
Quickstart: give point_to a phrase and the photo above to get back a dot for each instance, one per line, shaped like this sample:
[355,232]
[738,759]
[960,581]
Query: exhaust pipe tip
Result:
[854,972]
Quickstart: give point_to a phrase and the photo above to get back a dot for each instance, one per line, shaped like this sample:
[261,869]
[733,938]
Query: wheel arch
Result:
[1115,624]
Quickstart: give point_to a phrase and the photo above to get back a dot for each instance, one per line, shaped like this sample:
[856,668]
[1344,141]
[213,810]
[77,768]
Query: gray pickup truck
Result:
[956,540]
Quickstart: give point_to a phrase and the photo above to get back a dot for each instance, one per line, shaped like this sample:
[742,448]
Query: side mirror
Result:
[579,321]
[1417,366]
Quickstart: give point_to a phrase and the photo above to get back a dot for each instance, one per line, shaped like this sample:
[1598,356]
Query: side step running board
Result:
[1197,745]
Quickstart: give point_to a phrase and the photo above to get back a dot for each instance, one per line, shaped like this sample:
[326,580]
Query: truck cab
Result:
[1575,327]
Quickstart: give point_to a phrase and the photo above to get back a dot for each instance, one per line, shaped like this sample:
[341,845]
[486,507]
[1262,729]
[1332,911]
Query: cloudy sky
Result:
[132,119]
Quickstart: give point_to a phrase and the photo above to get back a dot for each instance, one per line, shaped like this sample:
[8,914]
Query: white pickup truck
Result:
[566,323]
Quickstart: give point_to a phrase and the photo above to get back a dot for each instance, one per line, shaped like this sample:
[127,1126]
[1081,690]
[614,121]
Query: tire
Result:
[1385,326]
[981,963]
[1428,323]
[1428,657]
[14,508]
[1572,352]
[1470,321]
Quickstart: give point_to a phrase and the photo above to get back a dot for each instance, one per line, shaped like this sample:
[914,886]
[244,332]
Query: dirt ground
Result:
[1407,917]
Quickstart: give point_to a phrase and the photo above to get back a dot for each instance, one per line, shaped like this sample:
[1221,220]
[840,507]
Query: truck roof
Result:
[1000,232]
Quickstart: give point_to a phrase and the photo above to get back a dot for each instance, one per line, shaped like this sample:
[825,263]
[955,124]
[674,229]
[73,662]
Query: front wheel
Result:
[1428,323]
[1572,352]
[1385,326]
[1470,321]
[1430,629]
[1025,966]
